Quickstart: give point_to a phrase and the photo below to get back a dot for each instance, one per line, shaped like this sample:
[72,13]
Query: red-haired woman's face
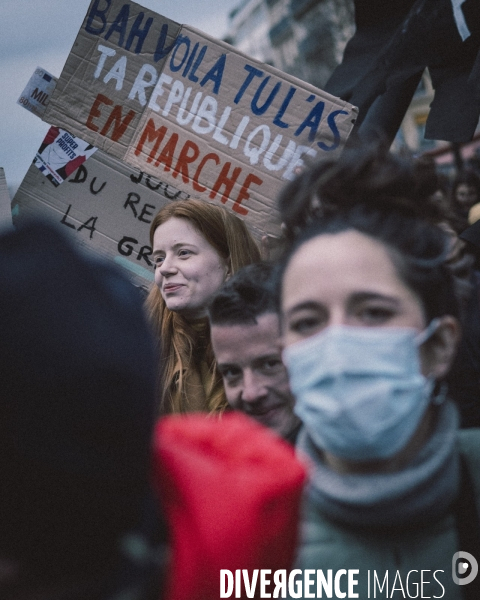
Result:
[188,270]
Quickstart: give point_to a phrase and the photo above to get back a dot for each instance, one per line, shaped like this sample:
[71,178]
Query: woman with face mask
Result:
[196,247]
[370,330]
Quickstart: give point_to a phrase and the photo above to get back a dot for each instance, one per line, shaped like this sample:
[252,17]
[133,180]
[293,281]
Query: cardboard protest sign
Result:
[37,92]
[5,207]
[106,205]
[61,154]
[192,110]
[121,45]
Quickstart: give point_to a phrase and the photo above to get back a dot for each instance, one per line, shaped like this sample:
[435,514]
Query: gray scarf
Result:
[421,492]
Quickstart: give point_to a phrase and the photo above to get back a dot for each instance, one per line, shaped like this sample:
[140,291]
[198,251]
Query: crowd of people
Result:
[319,411]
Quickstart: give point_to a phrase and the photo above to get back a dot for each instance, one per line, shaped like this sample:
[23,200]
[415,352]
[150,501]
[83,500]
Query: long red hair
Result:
[178,339]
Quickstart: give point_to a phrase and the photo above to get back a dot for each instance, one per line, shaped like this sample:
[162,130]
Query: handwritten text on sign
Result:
[182,106]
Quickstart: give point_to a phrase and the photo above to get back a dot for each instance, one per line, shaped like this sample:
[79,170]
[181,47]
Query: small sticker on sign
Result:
[37,92]
[60,154]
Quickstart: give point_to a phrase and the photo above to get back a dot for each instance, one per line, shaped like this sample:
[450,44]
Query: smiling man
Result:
[245,333]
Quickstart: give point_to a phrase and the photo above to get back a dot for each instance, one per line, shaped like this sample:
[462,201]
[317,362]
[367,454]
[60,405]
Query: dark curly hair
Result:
[384,197]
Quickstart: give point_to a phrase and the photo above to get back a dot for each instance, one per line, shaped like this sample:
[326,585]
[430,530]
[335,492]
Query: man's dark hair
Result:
[247,295]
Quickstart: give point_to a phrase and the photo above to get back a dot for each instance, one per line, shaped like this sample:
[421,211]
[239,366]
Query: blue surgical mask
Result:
[359,391]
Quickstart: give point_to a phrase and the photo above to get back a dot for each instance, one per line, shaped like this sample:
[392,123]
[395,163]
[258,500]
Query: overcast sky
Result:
[41,34]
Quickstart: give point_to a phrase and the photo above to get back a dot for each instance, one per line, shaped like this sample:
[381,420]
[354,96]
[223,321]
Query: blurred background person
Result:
[465,193]
[196,247]
[77,408]
[245,331]
[370,325]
